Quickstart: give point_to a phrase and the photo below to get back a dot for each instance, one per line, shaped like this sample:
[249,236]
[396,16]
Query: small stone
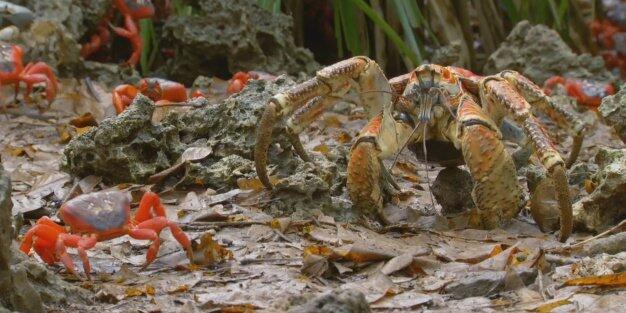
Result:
[453,190]
[613,111]
[341,301]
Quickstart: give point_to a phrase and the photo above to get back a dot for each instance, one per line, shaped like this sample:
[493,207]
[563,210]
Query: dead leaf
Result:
[344,137]
[254,183]
[500,261]
[281,223]
[195,154]
[613,280]
[82,130]
[147,290]
[323,149]
[314,265]
[548,307]
[403,262]
[84,120]
[208,251]
[64,133]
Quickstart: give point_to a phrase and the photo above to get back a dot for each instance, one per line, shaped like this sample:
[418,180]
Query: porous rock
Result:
[613,111]
[126,148]
[341,301]
[539,53]
[226,36]
[604,207]
[58,27]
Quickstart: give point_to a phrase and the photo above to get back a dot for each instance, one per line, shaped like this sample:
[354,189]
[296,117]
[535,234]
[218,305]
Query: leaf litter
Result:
[246,259]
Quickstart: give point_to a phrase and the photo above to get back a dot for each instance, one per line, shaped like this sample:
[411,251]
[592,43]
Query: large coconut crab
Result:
[433,105]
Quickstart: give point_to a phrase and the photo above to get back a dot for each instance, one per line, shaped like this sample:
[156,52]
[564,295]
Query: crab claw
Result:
[263,141]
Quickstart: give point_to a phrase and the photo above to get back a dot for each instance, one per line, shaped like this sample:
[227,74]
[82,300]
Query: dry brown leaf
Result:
[323,149]
[82,130]
[208,251]
[181,288]
[64,133]
[281,223]
[314,265]
[403,262]
[612,280]
[500,261]
[344,137]
[84,120]
[332,121]
[254,183]
[147,290]
[548,307]
[361,252]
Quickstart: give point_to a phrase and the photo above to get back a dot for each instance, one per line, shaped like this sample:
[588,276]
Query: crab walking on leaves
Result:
[97,217]
[434,105]
[12,72]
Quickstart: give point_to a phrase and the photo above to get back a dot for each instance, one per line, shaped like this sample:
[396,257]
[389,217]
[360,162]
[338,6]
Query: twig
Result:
[614,230]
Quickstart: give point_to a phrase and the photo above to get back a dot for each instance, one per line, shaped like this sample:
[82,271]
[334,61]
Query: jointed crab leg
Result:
[495,192]
[564,116]
[501,99]
[309,99]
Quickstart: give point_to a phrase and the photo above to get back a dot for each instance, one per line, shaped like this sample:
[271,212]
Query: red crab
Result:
[97,217]
[133,10]
[587,92]
[610,33]
[240,80]
[12,72]
[159,90]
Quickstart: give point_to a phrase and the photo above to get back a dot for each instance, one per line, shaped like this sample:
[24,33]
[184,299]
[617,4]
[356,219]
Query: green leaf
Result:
[405,51]
[149,44]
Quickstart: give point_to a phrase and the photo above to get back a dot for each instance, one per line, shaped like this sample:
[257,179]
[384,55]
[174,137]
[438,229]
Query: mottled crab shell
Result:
[6,58]
[97,212]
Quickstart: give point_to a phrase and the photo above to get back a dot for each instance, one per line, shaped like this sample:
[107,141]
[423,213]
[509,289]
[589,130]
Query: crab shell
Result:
[106,213]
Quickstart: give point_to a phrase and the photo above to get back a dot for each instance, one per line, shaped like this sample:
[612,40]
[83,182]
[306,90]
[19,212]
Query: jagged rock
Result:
[453,190]
[486,283]
[613,111]
[226,36]
[341,301]
[604,207]
[58,27]
[126,148]
[539,53]
[15,291]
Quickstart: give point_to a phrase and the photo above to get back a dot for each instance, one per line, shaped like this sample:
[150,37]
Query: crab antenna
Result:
[406,143]
[432,200]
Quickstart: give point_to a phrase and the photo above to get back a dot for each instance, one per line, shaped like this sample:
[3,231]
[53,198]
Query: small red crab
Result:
[240,80]
[97,217]
[159,90]
[587,92]
[133,10]
[12,72]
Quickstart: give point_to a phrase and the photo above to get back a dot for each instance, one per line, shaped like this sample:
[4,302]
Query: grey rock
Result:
[604,207]
[453,190]
[126,148]
[486,283]
[613,111]
[539,53]
[238,35]
[15,291]
[340,301]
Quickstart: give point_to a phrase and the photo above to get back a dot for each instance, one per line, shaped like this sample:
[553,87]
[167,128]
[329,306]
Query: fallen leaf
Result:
[612,280]
[195,154]
[323,149]
[314,265]
[64,133]
[84,120]
[344,137]
[83,130]
[254,183]
[403,262]
[548,307]
[208,251]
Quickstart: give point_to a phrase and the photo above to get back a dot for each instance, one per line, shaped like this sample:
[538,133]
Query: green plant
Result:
[270,5]
[150,45]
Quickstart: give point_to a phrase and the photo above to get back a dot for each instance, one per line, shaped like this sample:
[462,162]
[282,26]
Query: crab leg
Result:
[149,201]
[78,242]
[495,192]
[40,72]
[501,99]
[310,98]
[565,117]
[381,138]
[150,229]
